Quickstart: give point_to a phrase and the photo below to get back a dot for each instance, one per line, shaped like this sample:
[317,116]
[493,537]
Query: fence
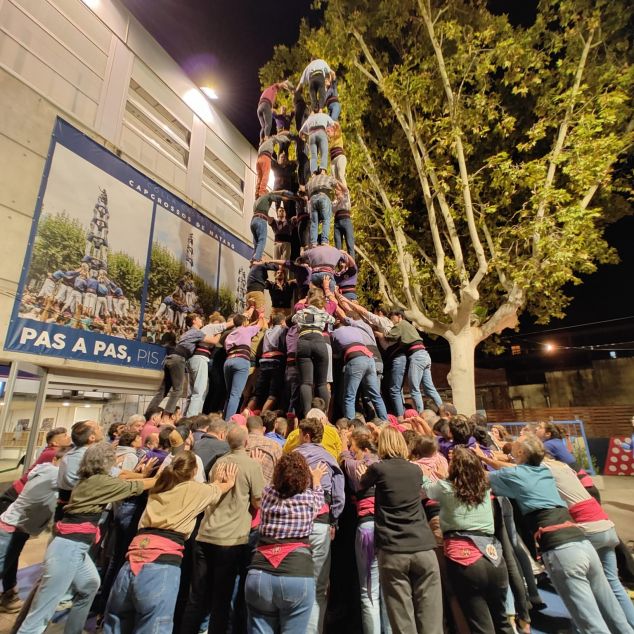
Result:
[599,422]
[574,432]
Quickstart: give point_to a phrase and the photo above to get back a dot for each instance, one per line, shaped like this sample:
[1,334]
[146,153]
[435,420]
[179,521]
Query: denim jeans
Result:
[67,564]
[604,543]
[259,228]
[420,371]
[5,540]
[397,374]
[318,144]
[334,110]
[576,573]
[321,211]
[236,371]
[143,603]
[318,280]
[418,367]
[277,603]
[361,371]
[373,614]
[344,231]
[11,546]
[127,514]
[198,366]
[320,545]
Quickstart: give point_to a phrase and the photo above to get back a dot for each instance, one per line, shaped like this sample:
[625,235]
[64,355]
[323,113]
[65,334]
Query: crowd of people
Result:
[431,523]
[256,513]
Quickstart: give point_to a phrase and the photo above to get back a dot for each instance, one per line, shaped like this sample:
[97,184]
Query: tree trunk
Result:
[462,374]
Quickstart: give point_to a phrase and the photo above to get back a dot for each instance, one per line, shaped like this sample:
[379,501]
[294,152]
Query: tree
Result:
[59,245]
[483,157]
[165,273]
[127,274]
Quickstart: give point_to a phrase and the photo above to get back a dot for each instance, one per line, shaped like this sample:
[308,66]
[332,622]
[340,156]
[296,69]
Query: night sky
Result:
[223,44]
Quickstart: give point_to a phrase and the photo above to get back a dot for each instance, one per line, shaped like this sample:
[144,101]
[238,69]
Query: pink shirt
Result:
[270,93]
[148,428]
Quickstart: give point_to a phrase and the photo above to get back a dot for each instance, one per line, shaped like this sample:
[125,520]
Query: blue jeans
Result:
[320,545]
[576,573]
[361,371]
[259,228]
[277,603]
[5,540]
[334,110]
[373,613]
[344,231]
[604,543]
[67,565]
[198,366]
[397,374]
[236,371]
[418,367]
[321,211]
[143,603]
[318,144]
[318,280]
[420,371]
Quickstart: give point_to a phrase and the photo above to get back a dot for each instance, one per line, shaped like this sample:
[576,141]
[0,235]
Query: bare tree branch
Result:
[505,316]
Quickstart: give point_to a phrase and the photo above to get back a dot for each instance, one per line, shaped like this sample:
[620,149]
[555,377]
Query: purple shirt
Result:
[241,336]
[333,482]
[367,336]
[292,335]
[345,336]
[349,465]
[323,256]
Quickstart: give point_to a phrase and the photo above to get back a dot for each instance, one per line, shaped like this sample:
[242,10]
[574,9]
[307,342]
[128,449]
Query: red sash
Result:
[85,528]
[146,548]
[551,529]
[275,554]
[357,348]
[365,507]
[587,511]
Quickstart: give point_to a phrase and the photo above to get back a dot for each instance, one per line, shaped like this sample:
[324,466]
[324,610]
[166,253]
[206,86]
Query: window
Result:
[147,117]
[220,179]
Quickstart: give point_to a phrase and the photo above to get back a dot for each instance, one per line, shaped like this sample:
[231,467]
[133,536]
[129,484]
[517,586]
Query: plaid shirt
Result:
[283,518]
[323,183]
[271,450]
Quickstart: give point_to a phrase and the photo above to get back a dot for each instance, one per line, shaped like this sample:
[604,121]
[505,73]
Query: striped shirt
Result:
[284,518]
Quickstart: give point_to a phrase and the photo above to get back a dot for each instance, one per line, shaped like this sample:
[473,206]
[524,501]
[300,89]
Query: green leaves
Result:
[537,117]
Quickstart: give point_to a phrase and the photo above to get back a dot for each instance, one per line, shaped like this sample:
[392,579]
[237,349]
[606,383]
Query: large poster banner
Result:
[115,261]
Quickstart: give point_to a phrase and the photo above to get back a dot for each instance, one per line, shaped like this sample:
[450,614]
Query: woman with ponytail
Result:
[144,594]
[475,563]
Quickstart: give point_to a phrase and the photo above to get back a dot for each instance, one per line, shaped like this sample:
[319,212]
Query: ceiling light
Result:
[209,92]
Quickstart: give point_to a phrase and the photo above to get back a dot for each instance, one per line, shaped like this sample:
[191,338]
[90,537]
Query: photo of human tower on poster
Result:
[115,261]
